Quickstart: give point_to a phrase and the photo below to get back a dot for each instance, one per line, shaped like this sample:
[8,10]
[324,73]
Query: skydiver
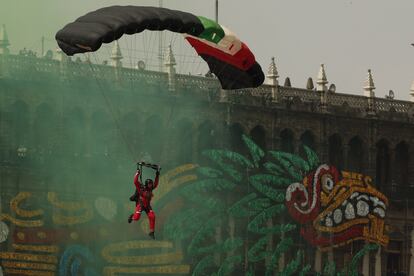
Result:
[142,197]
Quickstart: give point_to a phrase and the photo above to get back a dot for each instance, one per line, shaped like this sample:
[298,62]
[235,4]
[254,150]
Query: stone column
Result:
[318,260]
[345,151]
[365,264]
[378,262]
[411,271]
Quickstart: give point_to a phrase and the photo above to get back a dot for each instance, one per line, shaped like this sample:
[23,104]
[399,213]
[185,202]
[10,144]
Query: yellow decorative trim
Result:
[154,259]
[165,186]
[20,235]
[38,248]
[107,252]
[66,205]
[14,205]
[72,220]
[341,227]
[9,271]
[173,185]
[39,266]
[60,219]
[167,269]
[21,223]
[28,257]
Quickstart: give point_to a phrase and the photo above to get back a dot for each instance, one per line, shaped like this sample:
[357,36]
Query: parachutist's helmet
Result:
[148,182]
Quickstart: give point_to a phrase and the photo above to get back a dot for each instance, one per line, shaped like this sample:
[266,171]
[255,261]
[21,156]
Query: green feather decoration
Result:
[290,168]
[256,225]
[281,248]
[241,208]
[258,251]
[329,269]
[305,270]
[238,160]
[206,262]
[297,161]
[274,169]
[209,172]
[211,184]
[270,192]
[358,256]
[273,180]
[255,151]
[312,157]
[229,264]
[192,218]
[293,266]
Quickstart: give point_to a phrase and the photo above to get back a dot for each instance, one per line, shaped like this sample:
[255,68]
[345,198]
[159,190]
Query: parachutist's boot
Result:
[130,218]
[152,235]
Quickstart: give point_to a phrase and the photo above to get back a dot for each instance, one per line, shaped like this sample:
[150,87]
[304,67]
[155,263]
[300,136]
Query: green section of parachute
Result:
[212,30]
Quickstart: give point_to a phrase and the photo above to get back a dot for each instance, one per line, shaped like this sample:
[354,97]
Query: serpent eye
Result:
[327,183]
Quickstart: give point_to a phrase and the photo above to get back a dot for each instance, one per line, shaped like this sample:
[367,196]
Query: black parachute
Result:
[228,58]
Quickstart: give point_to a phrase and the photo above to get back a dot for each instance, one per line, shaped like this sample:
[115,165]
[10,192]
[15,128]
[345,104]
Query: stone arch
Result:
[19,120]
[258,135]
[287,140]
[236,131]
[307,138]
[75,131]
[383,163]
[356,154]
[45,127]
[335,151]
[184,141]
[401,164]
[205,136]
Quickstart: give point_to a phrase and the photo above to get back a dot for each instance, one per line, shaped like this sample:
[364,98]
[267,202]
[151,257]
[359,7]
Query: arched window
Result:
[235,140]
[335,151]
[184,142]
[306,139]
[356,155]
[75,132]
[205,138]
[401,167]
[19,113]
[258,135]
[45,128]
[383,164]
[286,141]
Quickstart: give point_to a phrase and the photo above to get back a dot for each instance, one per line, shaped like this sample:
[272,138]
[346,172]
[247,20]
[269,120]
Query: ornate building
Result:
[63,120]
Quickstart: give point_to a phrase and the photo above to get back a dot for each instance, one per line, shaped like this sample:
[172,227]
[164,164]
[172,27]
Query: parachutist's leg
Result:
[151,218]
[137,213]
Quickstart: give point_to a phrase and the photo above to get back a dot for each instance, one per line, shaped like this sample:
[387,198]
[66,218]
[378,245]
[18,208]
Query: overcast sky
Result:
[349,37]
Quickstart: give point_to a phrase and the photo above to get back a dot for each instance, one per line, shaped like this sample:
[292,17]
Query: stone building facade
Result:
[55,107]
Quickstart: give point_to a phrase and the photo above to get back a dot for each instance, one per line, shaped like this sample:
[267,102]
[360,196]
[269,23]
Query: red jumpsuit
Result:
[144,200]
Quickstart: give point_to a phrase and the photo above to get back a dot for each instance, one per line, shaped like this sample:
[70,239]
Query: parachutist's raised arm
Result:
[136,180]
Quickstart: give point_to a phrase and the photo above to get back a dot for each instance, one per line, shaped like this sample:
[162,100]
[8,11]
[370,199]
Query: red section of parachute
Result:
[243,59]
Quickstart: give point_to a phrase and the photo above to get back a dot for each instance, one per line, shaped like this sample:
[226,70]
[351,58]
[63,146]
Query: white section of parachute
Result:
[229,44]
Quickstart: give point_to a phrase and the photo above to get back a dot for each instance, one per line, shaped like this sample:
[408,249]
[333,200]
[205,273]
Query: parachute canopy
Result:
[227,57]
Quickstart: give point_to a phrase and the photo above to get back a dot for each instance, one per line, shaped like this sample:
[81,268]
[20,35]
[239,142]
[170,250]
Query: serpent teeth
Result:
[337,216]
[349,211]
[362,208]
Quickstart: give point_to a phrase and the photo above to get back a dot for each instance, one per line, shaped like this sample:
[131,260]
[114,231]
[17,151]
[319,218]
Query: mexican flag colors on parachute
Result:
[226,55]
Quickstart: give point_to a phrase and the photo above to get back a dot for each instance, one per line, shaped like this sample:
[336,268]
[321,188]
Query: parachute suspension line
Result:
[112,111]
